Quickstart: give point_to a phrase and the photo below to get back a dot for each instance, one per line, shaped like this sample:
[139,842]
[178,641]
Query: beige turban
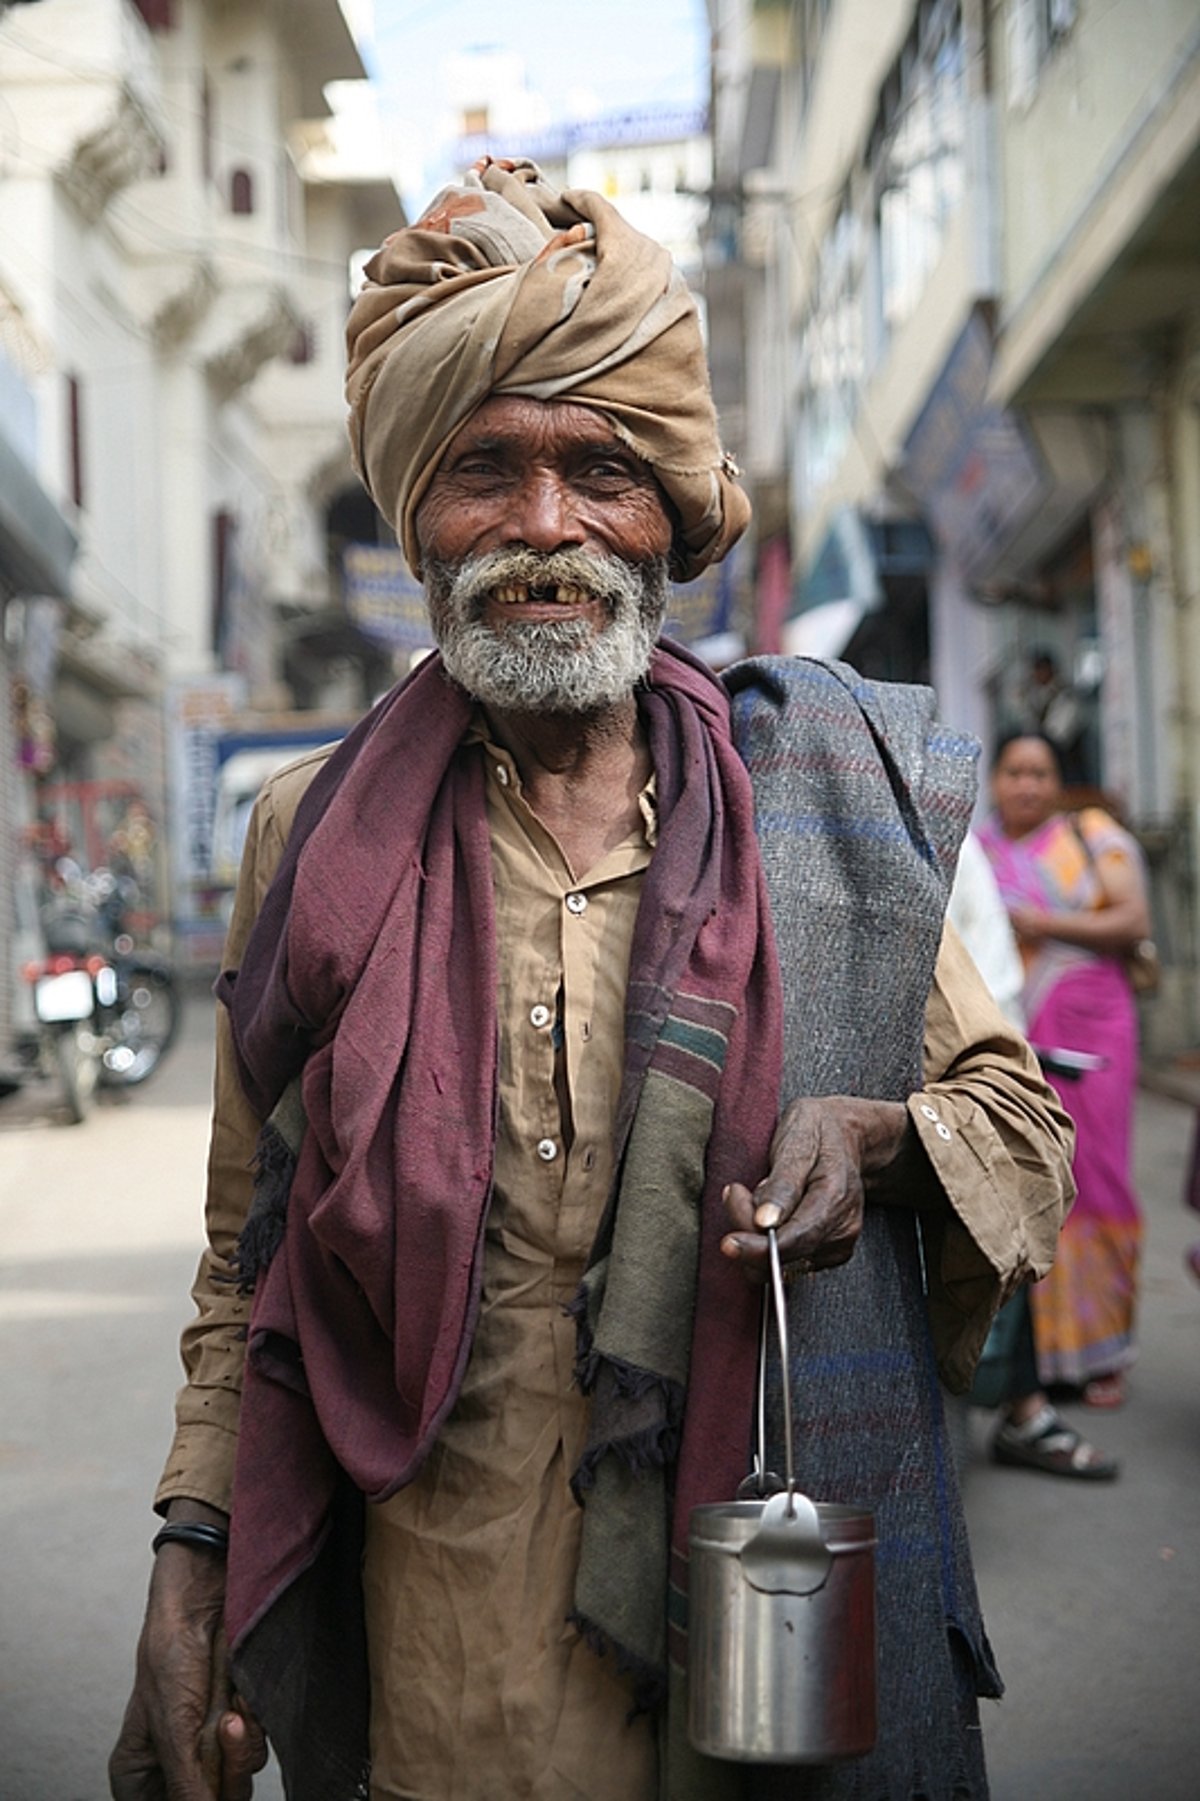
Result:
[507,286]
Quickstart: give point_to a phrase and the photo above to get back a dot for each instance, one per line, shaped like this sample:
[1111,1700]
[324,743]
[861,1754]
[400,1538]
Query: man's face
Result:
[545,544]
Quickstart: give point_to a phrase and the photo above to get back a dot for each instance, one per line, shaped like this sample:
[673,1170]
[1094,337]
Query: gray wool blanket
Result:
[861,803]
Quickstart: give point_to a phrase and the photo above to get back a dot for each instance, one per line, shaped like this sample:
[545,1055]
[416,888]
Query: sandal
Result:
[1105,1391]
[1047,1443]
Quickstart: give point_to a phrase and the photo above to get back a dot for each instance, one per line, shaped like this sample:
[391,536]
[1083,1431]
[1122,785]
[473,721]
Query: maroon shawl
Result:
[370,973]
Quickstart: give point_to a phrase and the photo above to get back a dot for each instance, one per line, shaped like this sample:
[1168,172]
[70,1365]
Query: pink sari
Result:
[1083,1311]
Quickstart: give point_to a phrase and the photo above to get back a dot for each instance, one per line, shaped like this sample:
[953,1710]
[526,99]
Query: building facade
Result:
[955,276]
[176,237]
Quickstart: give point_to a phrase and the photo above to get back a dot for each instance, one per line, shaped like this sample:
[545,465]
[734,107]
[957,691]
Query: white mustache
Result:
[564,577]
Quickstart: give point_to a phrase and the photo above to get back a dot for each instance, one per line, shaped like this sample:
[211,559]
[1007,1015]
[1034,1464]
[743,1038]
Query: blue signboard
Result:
[971,463]
[385,601]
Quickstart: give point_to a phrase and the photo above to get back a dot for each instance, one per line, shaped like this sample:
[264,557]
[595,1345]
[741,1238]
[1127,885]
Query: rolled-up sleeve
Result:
[1000,1146]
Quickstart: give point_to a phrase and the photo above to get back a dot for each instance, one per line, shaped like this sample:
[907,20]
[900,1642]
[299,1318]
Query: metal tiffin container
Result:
[781,1610]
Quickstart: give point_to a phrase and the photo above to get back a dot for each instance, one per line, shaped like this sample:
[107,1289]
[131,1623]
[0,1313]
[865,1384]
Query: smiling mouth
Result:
[516,594]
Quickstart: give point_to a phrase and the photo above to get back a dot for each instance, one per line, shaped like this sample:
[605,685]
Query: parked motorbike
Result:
[66,991]
[107,1010]
[141,1021]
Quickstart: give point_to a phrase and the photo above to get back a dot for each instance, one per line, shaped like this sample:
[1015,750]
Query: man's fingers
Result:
[820,1233]
[771,1204]
[134,1773]
[744,1243]
[739,1204]
[243,1752]
[233,1745]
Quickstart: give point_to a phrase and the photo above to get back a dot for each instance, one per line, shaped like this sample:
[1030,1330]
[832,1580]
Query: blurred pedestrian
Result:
[1075,890]
[1030,1432]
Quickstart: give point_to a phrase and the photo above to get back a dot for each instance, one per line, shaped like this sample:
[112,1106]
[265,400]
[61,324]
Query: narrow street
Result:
[99,1230]
[1090,1590]
[1090,1593]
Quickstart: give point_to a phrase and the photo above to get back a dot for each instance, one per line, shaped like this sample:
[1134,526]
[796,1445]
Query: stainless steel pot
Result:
[781,1610]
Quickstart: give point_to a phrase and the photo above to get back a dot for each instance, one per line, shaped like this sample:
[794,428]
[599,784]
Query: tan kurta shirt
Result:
[479,1687]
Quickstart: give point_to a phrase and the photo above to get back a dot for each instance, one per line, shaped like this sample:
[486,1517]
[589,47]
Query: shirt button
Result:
[539,1016]
[501,775]
[577,903]
[928,1112]
[944,1132]
[547,1150]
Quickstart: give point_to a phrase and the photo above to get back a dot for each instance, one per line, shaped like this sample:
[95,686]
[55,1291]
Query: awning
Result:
[844,568]
[841,587]
[823,631]
[846,579]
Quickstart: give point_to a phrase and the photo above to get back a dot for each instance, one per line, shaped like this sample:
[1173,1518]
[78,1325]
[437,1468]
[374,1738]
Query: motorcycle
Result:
[107,1011]
[65,995]
[141,1020]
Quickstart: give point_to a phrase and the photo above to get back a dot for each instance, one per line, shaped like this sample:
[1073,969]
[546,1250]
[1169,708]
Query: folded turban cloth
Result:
[506,286]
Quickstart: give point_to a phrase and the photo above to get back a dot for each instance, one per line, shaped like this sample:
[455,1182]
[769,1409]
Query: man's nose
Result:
[543,514]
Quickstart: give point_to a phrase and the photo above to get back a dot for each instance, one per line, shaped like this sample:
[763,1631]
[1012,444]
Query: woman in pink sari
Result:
[1075,891]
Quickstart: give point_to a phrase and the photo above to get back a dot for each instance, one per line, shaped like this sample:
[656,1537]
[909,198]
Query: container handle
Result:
[761,1481]
[787,1554]
[781,1332]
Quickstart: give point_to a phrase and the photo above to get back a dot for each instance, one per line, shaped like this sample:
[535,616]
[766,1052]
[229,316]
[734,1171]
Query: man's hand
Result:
[185,1737]
[825,1156]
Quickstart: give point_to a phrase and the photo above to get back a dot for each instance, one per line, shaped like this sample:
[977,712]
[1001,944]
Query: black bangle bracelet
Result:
[192,1532]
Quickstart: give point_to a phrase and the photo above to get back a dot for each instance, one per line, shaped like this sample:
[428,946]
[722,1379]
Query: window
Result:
[157,13]
[1034,29]
[918,157]
[223,535]
[206,128]
[831,353]
[241,191]
[75,483]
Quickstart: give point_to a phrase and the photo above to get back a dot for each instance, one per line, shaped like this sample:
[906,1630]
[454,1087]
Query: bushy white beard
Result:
[547,666]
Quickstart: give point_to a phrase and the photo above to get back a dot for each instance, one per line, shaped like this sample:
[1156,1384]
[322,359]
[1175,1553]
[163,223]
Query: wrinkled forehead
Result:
[519,421]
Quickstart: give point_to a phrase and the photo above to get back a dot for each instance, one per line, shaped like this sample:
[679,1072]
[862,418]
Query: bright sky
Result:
[563,59]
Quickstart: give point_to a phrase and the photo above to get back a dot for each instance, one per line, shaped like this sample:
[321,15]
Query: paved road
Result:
[99,1229]
[1091,1594]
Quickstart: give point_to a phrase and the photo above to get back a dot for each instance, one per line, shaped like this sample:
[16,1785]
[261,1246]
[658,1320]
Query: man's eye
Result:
[477,466]
[610,469]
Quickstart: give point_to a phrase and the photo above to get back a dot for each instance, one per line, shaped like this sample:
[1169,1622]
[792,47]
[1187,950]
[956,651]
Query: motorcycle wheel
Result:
[78,1070]
[143,1026]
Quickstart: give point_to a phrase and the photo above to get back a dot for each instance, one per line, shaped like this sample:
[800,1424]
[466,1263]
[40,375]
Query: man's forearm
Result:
[183,1508]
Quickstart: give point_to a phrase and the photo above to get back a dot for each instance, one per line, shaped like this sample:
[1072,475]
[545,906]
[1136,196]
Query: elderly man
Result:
[562,980]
